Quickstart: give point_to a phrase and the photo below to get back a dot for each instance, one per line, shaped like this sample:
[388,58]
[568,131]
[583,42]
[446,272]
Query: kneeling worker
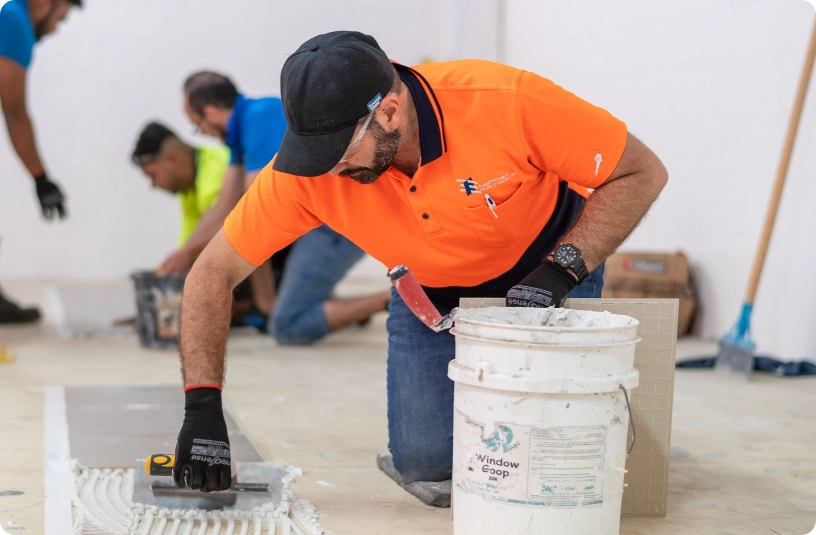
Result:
[303,310]
[195,175]
[470,173]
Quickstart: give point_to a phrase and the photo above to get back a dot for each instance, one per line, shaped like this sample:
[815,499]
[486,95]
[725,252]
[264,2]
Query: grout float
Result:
[102,500]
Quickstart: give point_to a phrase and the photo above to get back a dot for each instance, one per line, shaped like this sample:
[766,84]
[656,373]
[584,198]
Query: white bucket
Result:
[540,420]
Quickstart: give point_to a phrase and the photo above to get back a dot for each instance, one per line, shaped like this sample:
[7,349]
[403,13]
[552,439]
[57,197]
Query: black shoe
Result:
[434,493]
[11,312]
[252,318]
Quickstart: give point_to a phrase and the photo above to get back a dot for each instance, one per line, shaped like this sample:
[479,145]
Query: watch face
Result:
[566,255]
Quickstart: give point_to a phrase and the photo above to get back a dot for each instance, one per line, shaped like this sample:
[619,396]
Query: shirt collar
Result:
[234,123]
[430,121]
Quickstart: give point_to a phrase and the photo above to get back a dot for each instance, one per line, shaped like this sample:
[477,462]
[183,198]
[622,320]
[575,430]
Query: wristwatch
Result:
[569,257]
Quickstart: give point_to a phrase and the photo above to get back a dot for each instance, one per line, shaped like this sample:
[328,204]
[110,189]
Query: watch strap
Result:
[581,270]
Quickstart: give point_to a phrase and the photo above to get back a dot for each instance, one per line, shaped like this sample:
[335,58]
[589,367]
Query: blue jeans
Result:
[317,262]
[420,395]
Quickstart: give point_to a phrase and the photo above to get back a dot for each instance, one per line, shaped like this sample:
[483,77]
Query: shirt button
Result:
[425,216]
[412,189]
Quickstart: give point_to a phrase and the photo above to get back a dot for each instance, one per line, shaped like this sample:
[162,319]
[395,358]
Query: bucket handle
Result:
[631,420]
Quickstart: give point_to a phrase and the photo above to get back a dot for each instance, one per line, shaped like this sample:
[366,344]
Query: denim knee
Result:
[431,462]
[302,329]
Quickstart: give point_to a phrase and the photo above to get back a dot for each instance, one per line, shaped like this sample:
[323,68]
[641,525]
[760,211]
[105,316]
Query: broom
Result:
[736,355]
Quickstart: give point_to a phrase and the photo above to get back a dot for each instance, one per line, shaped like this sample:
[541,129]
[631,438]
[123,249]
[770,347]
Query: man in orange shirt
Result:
[470,173]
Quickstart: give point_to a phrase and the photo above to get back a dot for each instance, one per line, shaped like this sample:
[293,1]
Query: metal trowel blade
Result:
[255,485]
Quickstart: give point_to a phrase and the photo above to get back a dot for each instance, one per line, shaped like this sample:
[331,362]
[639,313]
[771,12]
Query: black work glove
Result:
[546,286]
[52,201]
[202,449]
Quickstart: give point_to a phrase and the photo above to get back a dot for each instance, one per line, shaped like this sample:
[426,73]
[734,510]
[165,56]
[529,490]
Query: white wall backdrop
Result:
[119,63]
[708,84]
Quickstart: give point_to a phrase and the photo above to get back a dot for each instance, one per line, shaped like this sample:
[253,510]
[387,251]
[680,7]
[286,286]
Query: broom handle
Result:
[782,170]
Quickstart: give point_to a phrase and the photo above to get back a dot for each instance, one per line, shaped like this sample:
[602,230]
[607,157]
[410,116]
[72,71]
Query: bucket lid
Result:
[554,326]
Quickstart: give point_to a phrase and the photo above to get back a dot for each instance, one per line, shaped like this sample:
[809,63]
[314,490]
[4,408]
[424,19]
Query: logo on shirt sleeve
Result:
[468,186]
[598,162]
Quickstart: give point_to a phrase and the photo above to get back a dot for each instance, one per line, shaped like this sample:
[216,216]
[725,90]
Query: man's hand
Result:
[203,449]
[178,263]
[52,201]
[546,286]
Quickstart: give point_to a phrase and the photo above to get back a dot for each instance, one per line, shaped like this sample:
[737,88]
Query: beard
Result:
[48,25]
[386,145]
[43,28]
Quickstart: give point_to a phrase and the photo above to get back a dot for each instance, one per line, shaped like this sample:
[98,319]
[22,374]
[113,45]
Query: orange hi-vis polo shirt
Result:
[507,158]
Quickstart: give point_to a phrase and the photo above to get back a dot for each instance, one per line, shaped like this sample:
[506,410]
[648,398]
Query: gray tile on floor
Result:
[111,427]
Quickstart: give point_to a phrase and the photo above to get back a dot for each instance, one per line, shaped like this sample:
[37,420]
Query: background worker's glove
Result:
[203,449]
[52,201]
[546,286]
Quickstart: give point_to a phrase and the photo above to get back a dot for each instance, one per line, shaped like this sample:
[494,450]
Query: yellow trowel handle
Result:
[160,464]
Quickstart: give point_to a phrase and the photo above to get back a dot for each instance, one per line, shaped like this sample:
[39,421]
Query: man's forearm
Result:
[205,319]
[213,219]
[209,224]
[612,212]
[21,132]
[206,309]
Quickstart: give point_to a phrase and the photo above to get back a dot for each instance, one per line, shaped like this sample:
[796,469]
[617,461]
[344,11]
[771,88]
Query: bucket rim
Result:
[637,339]
[544,328]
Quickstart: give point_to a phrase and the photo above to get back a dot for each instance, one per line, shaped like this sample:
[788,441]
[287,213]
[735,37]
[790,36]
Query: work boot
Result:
[435,493]
[11,312]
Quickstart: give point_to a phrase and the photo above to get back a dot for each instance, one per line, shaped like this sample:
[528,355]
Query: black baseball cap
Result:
[329,84]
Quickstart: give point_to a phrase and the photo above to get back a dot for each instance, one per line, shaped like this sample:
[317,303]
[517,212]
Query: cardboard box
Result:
[652,276]
[647,468]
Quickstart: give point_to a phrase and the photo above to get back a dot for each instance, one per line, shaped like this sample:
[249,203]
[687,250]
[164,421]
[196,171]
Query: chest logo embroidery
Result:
[496,181]
[468,186]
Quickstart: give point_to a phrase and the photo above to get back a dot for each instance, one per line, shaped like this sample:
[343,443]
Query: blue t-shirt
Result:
[17,37]
[255,131]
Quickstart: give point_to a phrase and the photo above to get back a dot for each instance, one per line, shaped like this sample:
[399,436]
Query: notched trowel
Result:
[253,485]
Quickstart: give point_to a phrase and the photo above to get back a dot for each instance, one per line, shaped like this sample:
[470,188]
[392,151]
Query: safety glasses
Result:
[354,147]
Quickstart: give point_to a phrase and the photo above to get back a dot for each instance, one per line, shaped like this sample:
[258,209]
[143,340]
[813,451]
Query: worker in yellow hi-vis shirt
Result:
[195,175]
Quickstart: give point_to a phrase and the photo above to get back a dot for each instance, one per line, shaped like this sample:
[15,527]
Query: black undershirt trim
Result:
[438,107]
[430,135]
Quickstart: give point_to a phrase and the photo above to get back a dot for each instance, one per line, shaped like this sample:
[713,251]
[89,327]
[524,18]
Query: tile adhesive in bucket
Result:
[540,420]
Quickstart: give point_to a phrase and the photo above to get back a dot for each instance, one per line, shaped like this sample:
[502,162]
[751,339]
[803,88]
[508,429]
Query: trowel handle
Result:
[160,464]
[414,296]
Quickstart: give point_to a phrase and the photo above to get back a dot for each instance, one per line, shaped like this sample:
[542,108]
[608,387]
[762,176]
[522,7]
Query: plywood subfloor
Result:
[742,454]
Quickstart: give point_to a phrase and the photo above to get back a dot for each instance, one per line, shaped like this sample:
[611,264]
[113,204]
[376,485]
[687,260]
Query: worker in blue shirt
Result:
[303,309]
[22,24]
